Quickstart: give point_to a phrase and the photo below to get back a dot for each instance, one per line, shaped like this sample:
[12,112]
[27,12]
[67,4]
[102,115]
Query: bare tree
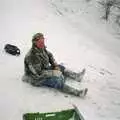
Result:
[107,5]
[118,20]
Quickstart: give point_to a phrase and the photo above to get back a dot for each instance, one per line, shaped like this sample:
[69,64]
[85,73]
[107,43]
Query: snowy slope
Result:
[89,47]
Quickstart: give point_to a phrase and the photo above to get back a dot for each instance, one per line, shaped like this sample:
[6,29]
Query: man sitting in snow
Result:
[41,69]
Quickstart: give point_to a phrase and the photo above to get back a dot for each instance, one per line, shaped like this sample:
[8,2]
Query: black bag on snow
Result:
[12,49]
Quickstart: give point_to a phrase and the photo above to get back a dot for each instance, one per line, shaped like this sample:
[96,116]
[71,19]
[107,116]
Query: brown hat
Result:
[37,35]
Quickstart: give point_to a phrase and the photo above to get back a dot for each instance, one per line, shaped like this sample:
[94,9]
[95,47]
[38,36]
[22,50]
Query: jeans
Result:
[54,82]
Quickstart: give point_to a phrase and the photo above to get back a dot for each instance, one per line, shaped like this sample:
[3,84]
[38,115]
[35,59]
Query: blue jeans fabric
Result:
[55,82]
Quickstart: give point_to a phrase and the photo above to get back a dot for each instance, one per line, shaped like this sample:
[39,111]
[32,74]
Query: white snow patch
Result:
[75,41]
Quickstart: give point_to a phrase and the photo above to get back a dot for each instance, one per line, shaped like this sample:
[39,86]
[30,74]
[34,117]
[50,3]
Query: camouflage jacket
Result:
[37,62]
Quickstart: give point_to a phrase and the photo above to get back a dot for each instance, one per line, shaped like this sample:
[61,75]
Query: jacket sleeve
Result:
[44,73]
[52,59]
[35,71]
[31,68]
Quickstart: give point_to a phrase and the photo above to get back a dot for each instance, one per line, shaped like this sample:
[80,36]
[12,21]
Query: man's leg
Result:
[50,78]
[70,90]
[73,75]
[54,82]
[59,83]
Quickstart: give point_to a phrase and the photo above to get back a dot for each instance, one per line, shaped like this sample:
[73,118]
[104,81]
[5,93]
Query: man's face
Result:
[39,41]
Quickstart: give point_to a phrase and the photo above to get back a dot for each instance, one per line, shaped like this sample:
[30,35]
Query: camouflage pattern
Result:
[37,63]
[39,70]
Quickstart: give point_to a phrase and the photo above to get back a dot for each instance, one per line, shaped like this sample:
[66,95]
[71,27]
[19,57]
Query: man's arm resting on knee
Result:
[52,61]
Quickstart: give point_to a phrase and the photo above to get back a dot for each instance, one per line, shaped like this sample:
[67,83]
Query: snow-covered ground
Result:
[77,40]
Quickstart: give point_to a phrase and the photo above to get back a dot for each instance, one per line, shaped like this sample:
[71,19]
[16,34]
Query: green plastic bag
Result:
[70,114]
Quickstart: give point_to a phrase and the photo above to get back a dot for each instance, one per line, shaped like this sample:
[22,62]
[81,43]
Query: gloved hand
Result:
[51,73]
[56,73]
[57,68]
